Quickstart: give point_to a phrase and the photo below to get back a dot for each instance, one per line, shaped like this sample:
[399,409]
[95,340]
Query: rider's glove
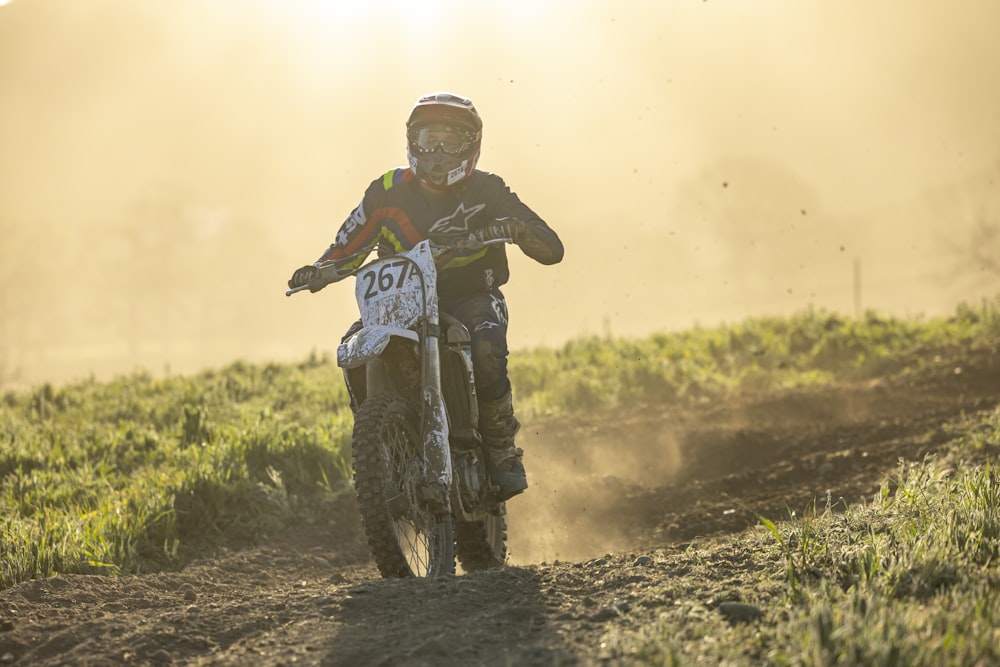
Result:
[304,276]
[503,228]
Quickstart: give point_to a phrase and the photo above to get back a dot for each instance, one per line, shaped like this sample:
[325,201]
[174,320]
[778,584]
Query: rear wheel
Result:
[406,537]
[482,545]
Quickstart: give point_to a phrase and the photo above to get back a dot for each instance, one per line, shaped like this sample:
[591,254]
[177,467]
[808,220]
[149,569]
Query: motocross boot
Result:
[498,426]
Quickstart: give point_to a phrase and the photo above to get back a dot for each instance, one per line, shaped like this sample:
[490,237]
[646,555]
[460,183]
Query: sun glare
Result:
[420,19]
[322,12]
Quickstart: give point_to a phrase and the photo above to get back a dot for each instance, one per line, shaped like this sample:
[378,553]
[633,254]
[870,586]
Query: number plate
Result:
[393,290]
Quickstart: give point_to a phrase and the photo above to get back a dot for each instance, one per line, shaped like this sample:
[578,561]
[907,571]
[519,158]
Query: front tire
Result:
[406,538]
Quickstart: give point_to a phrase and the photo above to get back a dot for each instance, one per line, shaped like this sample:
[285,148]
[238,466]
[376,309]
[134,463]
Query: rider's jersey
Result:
[396,213]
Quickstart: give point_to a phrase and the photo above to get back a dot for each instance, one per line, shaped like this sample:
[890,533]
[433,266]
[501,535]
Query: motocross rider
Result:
[442,193]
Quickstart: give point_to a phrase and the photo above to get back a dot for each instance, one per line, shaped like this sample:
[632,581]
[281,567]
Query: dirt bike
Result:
[420,471]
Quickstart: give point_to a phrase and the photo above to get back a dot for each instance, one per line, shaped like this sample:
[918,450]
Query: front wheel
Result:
[406,537]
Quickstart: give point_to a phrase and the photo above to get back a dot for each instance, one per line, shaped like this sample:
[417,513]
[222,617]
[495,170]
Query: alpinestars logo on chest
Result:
[457,221]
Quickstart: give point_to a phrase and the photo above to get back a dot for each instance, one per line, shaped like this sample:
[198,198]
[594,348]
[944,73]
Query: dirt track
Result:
[614,499]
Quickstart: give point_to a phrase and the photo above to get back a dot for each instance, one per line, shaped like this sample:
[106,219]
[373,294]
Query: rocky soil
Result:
[620,504]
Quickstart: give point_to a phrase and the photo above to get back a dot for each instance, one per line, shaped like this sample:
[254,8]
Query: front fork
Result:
[437,451]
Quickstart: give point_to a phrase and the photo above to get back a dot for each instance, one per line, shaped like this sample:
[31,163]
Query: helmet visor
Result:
[451,139]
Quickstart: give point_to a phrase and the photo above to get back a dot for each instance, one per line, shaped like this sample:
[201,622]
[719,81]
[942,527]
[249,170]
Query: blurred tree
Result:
[26,281]
[972,232]
[756,225]
[189,279]
[985,246]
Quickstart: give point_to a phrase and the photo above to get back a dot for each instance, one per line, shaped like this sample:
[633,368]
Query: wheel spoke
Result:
[416,547]
[412,528]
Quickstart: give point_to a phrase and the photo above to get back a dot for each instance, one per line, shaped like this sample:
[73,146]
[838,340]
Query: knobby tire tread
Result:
[474,548]
[369,487]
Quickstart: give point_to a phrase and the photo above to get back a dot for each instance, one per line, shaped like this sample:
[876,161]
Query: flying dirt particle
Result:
[803,211]
[842,248]
[725,184]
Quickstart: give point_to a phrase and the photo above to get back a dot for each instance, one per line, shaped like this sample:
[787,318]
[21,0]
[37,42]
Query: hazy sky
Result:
[702,160]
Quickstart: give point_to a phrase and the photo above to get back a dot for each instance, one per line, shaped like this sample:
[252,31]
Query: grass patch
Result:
[138,474]
[761,354]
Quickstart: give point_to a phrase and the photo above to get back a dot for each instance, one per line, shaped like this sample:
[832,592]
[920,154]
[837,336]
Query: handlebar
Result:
[329,272]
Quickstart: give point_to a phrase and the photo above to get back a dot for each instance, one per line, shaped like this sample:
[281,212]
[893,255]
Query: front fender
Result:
[369,343]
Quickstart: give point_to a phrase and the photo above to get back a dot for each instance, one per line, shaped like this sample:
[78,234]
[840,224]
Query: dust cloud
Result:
[165,166]
[582,484]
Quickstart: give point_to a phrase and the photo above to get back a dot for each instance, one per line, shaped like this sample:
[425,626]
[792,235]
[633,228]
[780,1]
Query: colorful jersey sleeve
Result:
[373,222]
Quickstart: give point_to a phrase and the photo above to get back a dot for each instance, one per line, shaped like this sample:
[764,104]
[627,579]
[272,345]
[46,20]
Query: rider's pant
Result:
[485,316]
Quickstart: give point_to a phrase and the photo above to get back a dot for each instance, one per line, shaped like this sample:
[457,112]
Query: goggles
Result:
[451,139]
